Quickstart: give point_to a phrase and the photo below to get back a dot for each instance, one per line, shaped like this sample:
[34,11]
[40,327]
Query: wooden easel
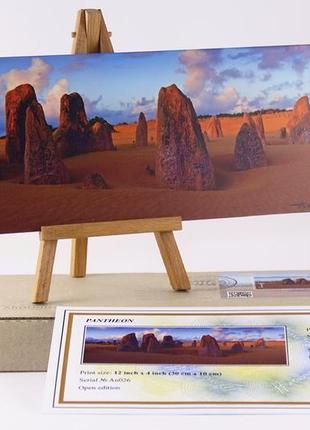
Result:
[92,36]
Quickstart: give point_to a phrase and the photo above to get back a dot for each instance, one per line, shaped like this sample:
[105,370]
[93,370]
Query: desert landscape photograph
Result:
[285,281]
[262,345]
[208,133]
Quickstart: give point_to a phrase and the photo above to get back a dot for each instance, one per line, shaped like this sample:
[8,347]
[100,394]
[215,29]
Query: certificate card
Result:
[180,360]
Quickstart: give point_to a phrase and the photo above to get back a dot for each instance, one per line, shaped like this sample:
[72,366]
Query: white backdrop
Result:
[31,27]
[44,27]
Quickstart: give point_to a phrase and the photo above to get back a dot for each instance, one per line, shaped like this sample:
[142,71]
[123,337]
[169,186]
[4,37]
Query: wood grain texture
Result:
[91,34]
[172,260]
[105,44]
[44,271]
[79,45]
[162,228]
[78,257]
[109,228]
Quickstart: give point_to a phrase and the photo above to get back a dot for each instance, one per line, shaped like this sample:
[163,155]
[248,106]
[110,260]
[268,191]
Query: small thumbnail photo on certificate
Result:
[255,345]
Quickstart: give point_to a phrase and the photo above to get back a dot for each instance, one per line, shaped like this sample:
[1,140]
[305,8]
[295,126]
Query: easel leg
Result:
[78,257]
[44,271]
[172,260]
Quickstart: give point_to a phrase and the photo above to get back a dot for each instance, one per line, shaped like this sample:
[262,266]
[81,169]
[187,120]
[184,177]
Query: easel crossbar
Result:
[110,228]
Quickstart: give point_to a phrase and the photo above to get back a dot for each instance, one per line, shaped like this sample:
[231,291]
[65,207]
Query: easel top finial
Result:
[91,34]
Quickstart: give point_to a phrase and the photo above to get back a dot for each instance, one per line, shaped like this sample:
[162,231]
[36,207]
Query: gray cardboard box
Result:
[26,329]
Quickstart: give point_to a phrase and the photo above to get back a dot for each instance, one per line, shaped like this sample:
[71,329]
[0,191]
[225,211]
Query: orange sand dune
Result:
[281,187]
[126,134]
[273,122]
[231,125]
[274,354]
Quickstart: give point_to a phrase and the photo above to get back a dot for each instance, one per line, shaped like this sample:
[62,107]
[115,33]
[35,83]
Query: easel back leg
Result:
[44,271]
[79,257]
[172,260]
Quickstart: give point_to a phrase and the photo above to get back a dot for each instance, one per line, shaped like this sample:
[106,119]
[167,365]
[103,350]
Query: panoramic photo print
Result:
[261,345]
[199,134]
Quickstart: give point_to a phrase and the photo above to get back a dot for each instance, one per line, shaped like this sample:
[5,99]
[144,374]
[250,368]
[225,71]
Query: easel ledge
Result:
[92,36]
[161,227]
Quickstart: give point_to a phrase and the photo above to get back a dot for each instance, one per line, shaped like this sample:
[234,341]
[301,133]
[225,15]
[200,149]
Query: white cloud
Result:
[37,75]
[204,83]
[199,68]
[226,100]
[276,97]
[195,81]
[135,106]
[143,105]
[51,104]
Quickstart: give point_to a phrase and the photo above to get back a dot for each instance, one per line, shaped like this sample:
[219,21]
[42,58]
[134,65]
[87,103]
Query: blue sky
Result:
[189,333]
[119,86]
